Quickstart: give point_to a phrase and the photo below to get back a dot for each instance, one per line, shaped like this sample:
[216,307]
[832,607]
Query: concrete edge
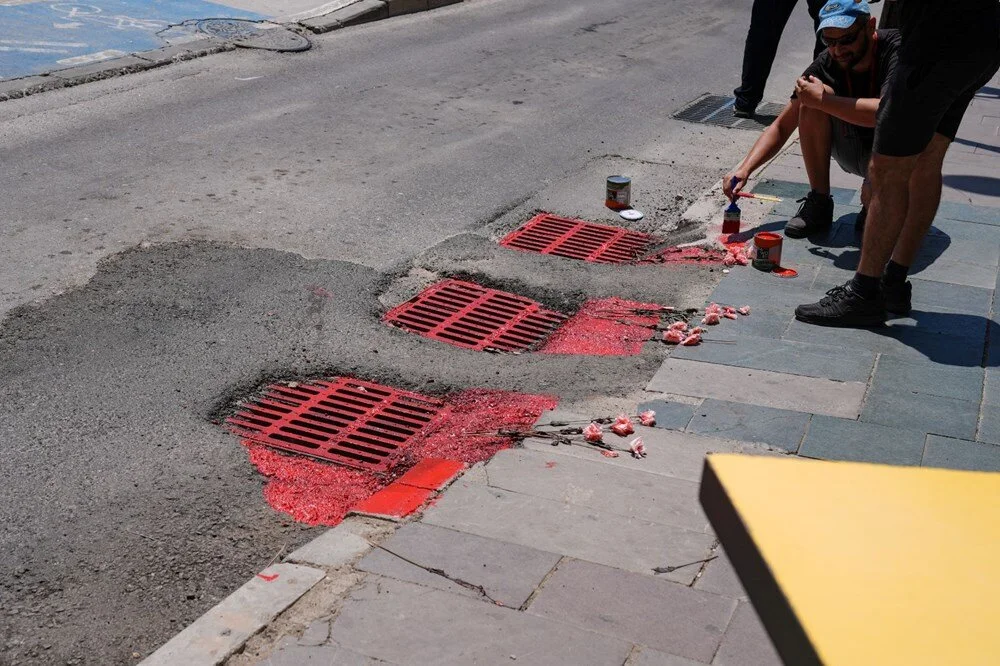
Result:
[224,629]
[361,11]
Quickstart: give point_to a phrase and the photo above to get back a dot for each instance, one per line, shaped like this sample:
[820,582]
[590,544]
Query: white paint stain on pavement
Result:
[92,57]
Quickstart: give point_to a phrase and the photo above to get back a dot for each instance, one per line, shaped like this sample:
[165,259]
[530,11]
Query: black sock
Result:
[865,286]
[895,273]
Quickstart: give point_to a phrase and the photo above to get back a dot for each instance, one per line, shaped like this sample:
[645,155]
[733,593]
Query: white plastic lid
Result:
[631,214]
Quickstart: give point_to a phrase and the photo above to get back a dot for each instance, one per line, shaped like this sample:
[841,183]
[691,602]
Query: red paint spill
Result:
[550,464]
[395,500]
[270,578]
[686,255]
[319,493]
[431,473]
[606,327]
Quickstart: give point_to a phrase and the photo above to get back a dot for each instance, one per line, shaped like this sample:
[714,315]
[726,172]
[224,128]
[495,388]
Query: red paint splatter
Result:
[319,493]
[270,578]
[550,464]
[607,327]
[686,255]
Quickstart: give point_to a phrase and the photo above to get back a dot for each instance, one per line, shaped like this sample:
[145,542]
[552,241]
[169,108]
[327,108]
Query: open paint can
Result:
[767,250]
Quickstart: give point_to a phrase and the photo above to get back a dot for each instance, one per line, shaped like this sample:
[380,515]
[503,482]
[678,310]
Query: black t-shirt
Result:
[859,84]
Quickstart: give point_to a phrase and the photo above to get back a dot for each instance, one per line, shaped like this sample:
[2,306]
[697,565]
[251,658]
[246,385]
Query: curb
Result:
[358,12]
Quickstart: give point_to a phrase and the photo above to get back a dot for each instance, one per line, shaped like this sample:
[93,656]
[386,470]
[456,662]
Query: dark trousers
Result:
[767,21]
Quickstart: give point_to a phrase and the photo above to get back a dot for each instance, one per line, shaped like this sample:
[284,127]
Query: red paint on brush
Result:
[606,327]
[320,493]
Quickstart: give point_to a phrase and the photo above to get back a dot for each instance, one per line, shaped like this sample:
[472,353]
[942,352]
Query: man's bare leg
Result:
[925,197]
[816,143]
[890,178]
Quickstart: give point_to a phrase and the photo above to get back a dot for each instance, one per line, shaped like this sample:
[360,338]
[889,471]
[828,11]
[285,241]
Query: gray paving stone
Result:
[334,548]
[895,374]
[959,272]
[719,577]
[593,484]
[647,656]
[665,616]
[793,357]
[408,624]
[989,424]
[316,633]
[759,387]
[842,439]
[957,229]
[185,51]
[928,295]
[588,534]
[991,388]
[961,454]
[953,210]
[764,290]
[746,642]
[224,628]
[899,407]
[796,190]
[669,415]
[762,323]
[326,655]
[779,428]
[508,572]
[956,250]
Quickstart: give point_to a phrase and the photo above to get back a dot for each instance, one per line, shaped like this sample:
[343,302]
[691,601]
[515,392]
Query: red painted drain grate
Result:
[467,315]
[347,421]
[576,239]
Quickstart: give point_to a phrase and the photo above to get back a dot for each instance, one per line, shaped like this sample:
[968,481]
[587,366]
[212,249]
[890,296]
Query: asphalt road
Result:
[161,236]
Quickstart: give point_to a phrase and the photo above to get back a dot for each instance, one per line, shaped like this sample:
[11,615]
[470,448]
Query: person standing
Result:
[948,52]
[767,22]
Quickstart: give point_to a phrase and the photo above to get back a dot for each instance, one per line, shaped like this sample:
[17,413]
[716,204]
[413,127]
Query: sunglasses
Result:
[846,40]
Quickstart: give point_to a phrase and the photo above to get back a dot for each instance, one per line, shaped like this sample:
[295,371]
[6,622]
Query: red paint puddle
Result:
[686,255]
[318,493]
[606,327]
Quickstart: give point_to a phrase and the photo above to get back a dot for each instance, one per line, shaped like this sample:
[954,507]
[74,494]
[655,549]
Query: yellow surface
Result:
[882,565]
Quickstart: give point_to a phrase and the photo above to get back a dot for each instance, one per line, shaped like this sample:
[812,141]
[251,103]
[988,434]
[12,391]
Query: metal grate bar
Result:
[577,239]
[348,421]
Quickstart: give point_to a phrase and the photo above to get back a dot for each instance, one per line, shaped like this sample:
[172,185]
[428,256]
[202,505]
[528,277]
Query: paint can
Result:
[767,250]
[619,192]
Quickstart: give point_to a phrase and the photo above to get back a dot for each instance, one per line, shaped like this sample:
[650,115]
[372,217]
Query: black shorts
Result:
[850,146]
[929,96]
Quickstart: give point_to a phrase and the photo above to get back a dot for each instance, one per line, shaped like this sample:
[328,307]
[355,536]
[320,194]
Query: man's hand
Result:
[732,183]
[810,91]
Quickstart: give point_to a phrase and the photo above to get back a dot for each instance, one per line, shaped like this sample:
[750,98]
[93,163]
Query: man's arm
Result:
[814,94]
[766,147]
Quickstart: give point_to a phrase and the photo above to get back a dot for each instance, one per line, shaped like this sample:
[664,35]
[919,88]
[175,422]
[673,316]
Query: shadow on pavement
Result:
[976,184]
[948,338]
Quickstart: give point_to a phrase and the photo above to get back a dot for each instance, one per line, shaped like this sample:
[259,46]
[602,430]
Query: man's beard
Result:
[858,56]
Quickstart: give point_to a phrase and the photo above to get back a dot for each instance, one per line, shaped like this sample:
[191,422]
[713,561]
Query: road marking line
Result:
[92,57]
[29,49]
[18,42]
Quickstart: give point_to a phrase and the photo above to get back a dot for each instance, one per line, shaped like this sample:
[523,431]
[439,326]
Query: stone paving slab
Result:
[597,485]
[842,439]
[895,374]
[508,572]
[960,454]
[761,323]
[747,286]
[580,532]
[410,624]
[959,272]
[719,577]
[321,655]
[746,642]
[989,424]
[796,190]
[663,615]
[759,387]
[792,357]
[647,656]
[958,229]
[779,428]
[670,415]
[334,548]
[928,413]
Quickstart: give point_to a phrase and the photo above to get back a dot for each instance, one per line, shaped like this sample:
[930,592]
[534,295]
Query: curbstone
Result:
[103,70]
[434,4]
[29,85]
[334,548]
[185,51]
[400,7]
[356,13]
[226,627]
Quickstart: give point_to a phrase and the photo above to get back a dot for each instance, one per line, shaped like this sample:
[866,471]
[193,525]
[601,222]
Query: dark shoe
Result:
[815,214]
[743,109]
[897,297]
[859,221]
[842,307]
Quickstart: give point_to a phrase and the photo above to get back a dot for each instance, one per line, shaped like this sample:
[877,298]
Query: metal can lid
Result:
[619,180]
[631,214]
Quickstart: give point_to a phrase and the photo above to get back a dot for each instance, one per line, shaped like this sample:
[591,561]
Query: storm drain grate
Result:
[576,239]
[347,421]
[467,315]
[718,110]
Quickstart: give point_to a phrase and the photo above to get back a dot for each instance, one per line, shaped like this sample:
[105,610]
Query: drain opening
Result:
[718,110]
[347,421]
[578,239]
[474,317]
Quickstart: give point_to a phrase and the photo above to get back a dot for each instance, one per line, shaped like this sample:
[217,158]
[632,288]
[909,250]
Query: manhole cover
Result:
[254,35]
[718,110]
[576,239]
[467,315]
[348,421]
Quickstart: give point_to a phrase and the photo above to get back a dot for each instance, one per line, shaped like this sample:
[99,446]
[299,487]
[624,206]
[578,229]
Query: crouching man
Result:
[833,107]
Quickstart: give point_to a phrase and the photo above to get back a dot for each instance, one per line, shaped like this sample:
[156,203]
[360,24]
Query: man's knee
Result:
[887,170]
[931,160]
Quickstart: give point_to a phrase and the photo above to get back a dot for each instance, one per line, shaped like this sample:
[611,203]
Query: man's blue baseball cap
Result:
[842,14]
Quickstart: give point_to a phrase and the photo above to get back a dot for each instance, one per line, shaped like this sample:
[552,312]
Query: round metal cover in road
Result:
[254,35]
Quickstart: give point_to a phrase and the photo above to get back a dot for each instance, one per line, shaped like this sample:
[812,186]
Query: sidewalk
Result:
[546,555]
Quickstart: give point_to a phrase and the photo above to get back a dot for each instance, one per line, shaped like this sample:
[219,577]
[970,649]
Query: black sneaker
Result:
[897,297]
[743,109]
[815,214]
[842,307]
